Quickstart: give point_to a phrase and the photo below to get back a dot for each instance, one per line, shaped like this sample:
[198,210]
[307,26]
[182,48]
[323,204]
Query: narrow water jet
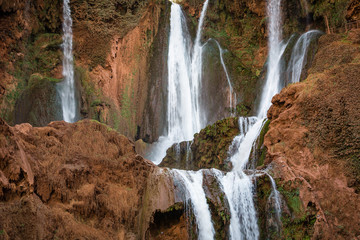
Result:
[277,200]
[66,88]
[232,102]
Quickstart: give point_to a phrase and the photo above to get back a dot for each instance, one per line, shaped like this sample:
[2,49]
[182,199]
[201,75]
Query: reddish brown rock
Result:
[77,180]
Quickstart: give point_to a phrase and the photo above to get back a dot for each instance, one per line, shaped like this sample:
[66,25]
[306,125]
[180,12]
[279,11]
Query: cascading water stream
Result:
[194,192]
[237,185]
[66,88]
[184,116]
[299,54]
[184,119]
[232,104]
[180,112]
[196,71]
[277,200]
[272,84]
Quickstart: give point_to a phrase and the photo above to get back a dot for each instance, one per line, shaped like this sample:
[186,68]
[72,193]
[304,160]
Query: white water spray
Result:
[196,72]
[67,86]
[192,182]
[277,200]
[272,84]
[184,116]
[299,54]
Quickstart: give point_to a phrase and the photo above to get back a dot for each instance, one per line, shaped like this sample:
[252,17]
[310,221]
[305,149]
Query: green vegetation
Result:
[209,148]
[261,150]
[242,110]
[263,191]
[241,32]
[48,17]
[292,199]
[300,224]
[34,60]
[264,130]
[332,11]
[128,111]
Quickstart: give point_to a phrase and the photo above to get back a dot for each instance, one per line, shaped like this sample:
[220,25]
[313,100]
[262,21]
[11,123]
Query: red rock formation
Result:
[76,180]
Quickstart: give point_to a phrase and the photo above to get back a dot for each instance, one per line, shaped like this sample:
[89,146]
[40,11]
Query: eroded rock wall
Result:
[77,180]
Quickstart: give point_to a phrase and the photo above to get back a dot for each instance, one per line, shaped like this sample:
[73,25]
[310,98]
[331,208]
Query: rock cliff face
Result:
[30,43]
[120,72]
[116,65]
[113,48]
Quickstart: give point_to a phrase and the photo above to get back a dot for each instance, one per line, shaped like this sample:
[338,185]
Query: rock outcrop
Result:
[78,180]
[209,149]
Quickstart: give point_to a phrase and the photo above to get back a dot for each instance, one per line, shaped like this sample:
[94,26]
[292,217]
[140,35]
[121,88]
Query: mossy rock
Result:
[263,191]
[209,149]
[48,14]
[299,222]
[218,204]
[39,103]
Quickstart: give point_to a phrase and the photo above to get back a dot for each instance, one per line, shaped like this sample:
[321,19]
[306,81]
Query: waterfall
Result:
[184,116]
[67,87]
[299,55]
[194,192]
[277,200]
[237,185]
[272,84]
[231,93]
[180,113]
[196,71]
[237,188]
[276,196]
